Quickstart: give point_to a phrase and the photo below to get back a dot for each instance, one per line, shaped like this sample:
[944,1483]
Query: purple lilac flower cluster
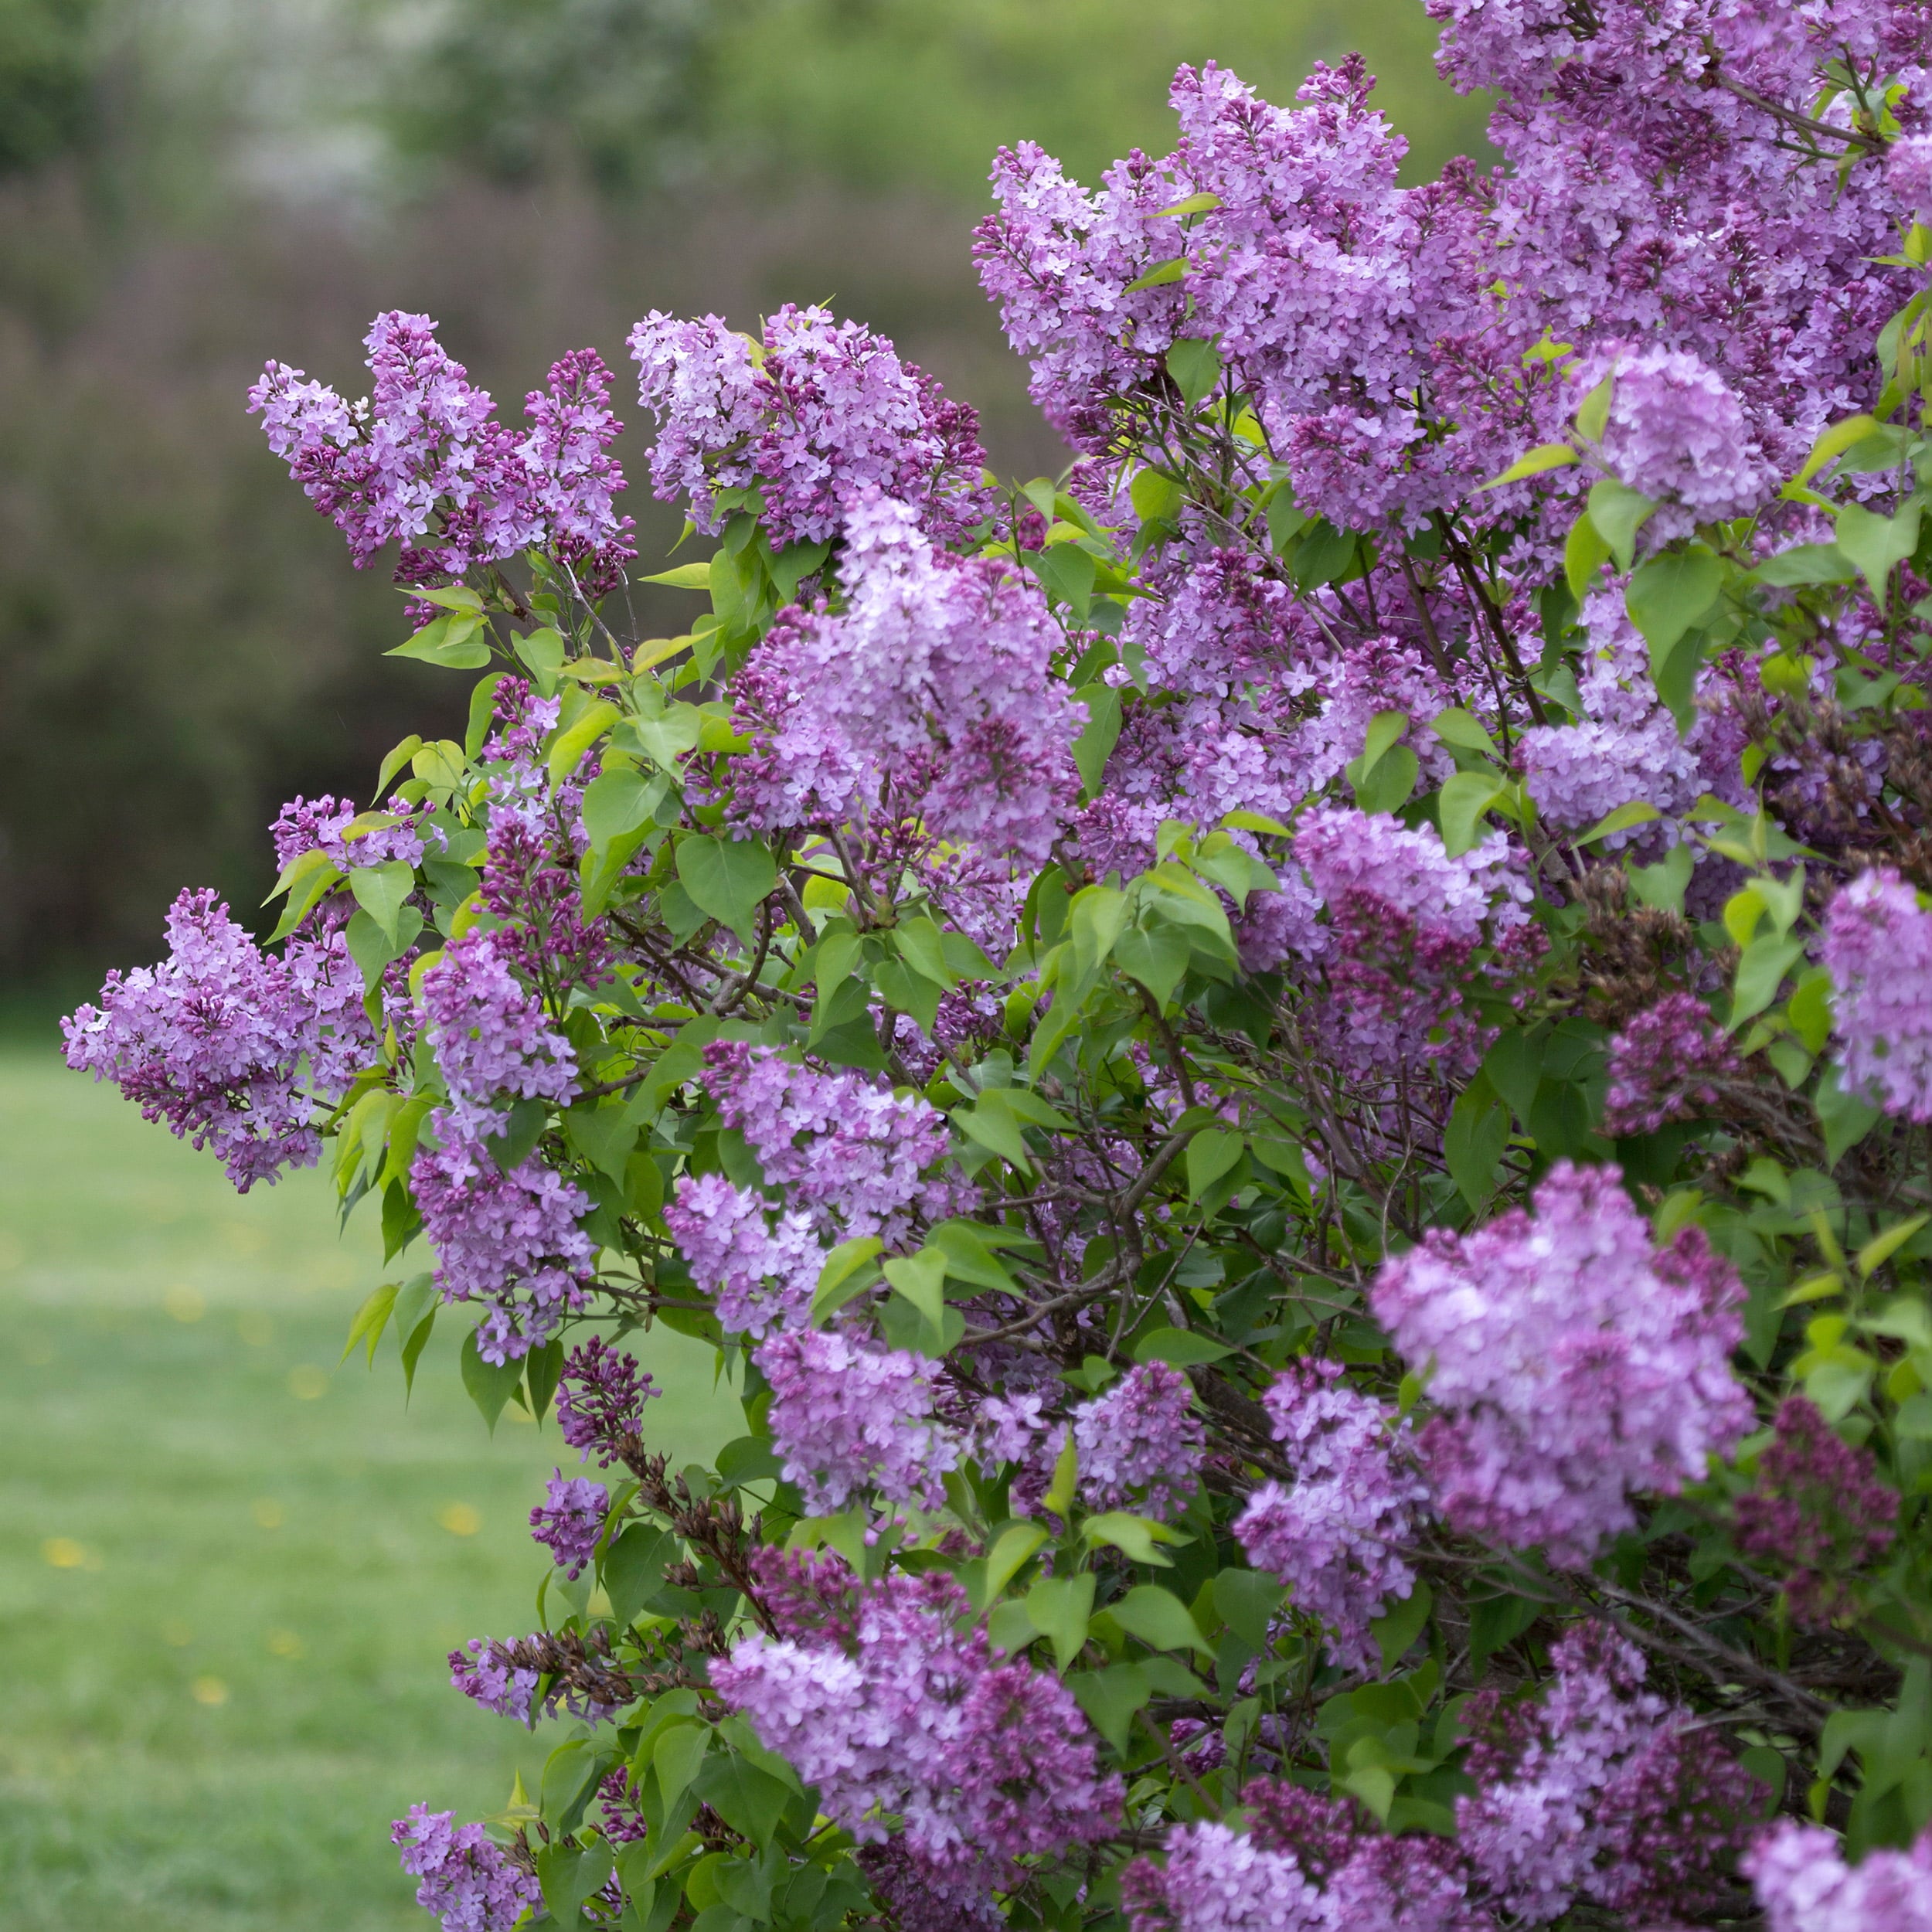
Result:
[1569,1362]
[423,461]
[232,1047]
[878,1695]
[817,415]
[569,1520]
[599,1400]
[1335,1534]
[488,1678]
[847,1417]
[1804,1884]
[468,1880]
[1877,939]
[490,1036]
[928,696]
[1138,1445]
[1664,1065]
[1816,1510]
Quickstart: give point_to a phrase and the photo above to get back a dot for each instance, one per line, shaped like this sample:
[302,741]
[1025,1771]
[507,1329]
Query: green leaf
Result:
[1618,512]
[1834,441]
[397,760]
[1478,1132]
[1464,730]
[1098,735]
[1806,564]
[676,1756]
[482,713]
[605,1134]
[1197,204]
[305,879]
[1156,497]
[1881,1248]
[922,946]
[1761,968]
[1593,412]
[686,576]
[567,752]
[1111,1698]
[727,878]
[750,1800]
[1637,812]
[1136,1536]
[1246,1601]
[847,1272]
[921,1279]
[380,891]
[454,641]
[1010,1551]
[542,652]
[1667,598]
[1059,1608]
[1585,553]
[1159,276]
[1180,1348]
[1544,456]
[1465,797]
[568,1874]
[1211,1153]
[1395,1632]
[1845,1118]
[372,949]
[372,1319]
[634,1568]
[1159,1618]
[489,1383]
[1195,366]
[992,1122]
[1387,788]
[621,801]
[1877,544]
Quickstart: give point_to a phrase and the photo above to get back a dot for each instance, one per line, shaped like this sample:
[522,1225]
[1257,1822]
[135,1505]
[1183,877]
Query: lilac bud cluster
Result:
[599,1400]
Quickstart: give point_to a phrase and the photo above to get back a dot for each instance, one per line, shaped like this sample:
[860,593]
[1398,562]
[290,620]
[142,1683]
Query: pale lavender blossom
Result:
[1138,1444]
[490,1035]
[846,1418]
[1804,1884]
[762,1265]
[1570,1364]
[1877,947]
[468,1880]
[511,1241]
[569,1520]
[1908,174]
[699,380]
[232,1047]
[1216,1879]
[1335,1534]
[321,824]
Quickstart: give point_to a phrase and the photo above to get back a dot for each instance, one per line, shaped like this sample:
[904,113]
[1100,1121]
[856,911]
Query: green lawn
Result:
[229,1569]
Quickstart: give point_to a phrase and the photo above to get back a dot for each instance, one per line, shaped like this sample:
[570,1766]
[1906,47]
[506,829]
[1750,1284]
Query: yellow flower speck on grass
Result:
[307,1383]
[62,1553]
[459,1518]
[185,1303]
[210,1691]
[267,1512]
[285,1643]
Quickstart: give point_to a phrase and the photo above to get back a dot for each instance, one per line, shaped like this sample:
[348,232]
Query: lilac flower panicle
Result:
[468,1880]
[763,1268]
[569,1520]
[846,1418]
[1335,1534]
[1877,947]
[490,1036]
[1665,1065]
[1138,1444]
[880,1695]
[1804,1884]
[489,1678]
[1816,1510]
[600,1399]
[217,1040]
[1569,1362]
[1908,174]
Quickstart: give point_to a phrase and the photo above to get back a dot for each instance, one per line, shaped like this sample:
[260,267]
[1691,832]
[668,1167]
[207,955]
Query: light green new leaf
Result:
[1135,1536]
[1877,544]
[1195,366]
[1210,1155]
[921,1279]
[1159,1618]
[598,718]
[1618,512]
[1544,456]
[727,878]
[380,891]
[1465,797]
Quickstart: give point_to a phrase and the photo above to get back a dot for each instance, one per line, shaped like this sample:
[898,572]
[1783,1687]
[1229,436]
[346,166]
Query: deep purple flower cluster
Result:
[846,1417]
[1816,1510]
[490,1036]
[1665,1065]
[468,1880]
[1878,940]
[1570,1363]
[929,695]
[232,1047]
[600,1399]
[1138,1445]
[423,461]
[488,1678]
[875,1694]
[1335,1534]
[1804,1884]
[817,415]
[569,1520]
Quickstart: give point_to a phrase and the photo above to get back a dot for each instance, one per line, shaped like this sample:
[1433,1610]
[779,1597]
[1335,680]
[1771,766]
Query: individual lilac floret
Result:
[569,1520]
[490,1035]
[846,1419]
[510,1240]
[1665,1065]
[231,1047]
[1138,1445]
[762,1266]
[1677,433]
[1817,1510]
[1878,949]
[1570,1364]
[1335,1534]
[468,1881]
[886,1698]
[929,696]
[1802,1881]
[600,1399]
[484,1674]
[839,1145]
[1600,1791]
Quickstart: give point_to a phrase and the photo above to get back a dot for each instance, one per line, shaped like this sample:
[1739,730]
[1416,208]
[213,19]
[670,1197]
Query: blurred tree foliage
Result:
[188,187]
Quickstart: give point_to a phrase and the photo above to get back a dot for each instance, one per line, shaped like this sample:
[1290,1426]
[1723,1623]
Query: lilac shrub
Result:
[1287,1074]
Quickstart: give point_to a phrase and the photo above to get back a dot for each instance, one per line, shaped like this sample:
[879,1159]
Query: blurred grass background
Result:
[229,1569]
